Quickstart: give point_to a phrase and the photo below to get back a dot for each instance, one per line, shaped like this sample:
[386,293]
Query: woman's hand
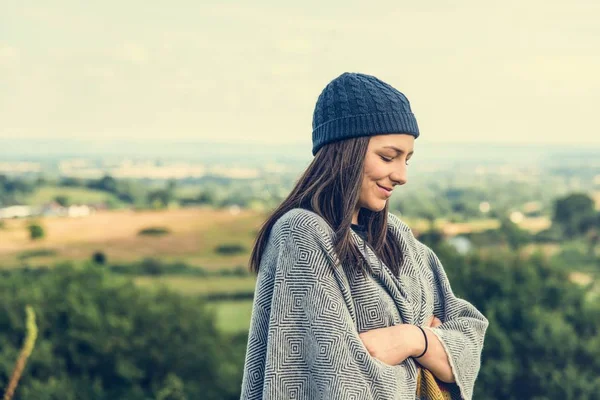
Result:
[434,322]
[394,344]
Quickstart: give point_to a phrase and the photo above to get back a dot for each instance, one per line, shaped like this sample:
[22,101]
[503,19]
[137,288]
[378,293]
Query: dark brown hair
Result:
[330,187]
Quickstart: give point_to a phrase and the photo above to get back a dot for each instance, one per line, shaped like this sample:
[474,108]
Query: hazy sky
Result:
[510,71]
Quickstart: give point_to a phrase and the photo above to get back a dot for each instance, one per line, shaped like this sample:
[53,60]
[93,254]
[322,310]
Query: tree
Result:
[542,339]
[573,213]
[159,198]
[36,231]
[101,337]
[62,200]
[99,257]
[513,234]
[173,389]
[107,183]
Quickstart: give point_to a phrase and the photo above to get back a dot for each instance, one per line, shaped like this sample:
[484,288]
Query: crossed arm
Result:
[394,344]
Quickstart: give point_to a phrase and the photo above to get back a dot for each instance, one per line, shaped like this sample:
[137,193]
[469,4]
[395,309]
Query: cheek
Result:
[375,172]
[369,183]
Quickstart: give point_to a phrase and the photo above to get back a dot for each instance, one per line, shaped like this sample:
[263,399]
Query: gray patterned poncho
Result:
[307,315]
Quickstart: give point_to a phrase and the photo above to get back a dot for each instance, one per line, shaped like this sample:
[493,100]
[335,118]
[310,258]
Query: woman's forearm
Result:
[435,359]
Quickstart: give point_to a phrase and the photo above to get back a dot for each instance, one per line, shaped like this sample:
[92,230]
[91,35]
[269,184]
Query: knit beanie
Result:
[355,104]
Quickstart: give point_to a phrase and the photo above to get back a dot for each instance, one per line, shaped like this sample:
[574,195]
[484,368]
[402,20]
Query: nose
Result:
[399,176]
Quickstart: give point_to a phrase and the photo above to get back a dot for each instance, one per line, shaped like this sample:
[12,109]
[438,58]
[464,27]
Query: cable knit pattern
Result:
[344,101]
[377,95]
[355,104]
[318,112]
[307,314]
[361,102]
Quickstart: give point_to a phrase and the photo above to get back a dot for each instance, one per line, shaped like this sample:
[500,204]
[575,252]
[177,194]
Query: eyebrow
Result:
[399,150]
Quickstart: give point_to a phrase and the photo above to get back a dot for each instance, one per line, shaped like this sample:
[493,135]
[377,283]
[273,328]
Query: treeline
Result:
[428,200]
[101,337]
[542,342]
[141,193]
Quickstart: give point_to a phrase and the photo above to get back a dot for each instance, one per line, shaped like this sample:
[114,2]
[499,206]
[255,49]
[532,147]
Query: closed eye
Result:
[387,160]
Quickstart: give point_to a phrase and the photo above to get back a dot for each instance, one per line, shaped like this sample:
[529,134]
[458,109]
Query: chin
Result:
[377,206]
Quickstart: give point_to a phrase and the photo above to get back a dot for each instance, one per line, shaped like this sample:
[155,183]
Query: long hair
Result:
[330,187]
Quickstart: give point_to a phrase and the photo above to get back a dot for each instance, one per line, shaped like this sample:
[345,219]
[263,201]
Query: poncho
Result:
[307,314]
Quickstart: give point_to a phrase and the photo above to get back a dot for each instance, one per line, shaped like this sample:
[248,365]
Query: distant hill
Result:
[292,153]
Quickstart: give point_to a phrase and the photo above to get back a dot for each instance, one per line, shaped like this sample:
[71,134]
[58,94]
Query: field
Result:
[75,195]
[233,316]
[201,285]
[194,234]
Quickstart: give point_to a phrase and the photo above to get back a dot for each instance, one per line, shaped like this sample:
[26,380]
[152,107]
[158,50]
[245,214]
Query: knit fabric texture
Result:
[356,104]
[308,312]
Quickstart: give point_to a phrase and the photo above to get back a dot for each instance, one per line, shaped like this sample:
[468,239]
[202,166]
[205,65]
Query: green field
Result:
[232,316]
[199,286]
[75,195]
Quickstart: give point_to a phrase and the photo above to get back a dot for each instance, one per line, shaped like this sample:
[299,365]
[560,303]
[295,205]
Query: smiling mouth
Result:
[383,187]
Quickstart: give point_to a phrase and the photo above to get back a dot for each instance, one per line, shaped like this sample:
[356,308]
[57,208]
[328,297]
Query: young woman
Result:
[348,303]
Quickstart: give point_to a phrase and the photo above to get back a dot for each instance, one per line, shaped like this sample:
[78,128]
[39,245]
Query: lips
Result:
[386,188]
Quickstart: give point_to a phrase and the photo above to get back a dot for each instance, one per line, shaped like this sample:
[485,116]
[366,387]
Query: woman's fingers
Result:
[430,320]
[433,322]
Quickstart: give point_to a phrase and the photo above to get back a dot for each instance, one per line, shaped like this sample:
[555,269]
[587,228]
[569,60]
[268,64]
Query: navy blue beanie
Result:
[355,104]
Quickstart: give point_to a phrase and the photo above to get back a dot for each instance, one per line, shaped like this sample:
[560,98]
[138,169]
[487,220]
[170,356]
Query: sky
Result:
[233,71]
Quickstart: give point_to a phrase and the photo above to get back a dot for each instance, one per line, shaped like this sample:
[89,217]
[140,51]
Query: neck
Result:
[355,216]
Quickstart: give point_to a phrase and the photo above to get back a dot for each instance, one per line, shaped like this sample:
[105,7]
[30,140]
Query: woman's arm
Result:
[435,359]
[395,344]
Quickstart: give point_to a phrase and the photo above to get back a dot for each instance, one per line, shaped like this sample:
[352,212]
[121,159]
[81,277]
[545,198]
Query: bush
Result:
[153,266]
[553,234]
[99,257]
[154,231]
[239,270]
[230,249]
[36,231]
[36,253]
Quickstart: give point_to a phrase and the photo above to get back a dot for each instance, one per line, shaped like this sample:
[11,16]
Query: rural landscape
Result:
[141,290]
[144,145]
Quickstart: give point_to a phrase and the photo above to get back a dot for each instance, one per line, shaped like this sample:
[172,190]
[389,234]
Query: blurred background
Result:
[142,145]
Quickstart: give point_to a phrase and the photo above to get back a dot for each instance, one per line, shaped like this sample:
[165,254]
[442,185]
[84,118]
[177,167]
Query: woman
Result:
[348,303]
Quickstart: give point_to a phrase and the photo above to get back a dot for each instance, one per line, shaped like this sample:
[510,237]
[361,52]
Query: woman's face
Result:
[385,167]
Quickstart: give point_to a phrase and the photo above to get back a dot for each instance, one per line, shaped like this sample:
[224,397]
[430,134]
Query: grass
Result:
[422,225]
[532,224]
[36,253]
[200,285]
[232,316]
[75,195]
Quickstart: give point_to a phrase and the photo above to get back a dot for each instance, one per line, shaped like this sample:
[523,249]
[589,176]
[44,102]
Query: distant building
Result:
[79,211]
[54,209]
[15,212]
